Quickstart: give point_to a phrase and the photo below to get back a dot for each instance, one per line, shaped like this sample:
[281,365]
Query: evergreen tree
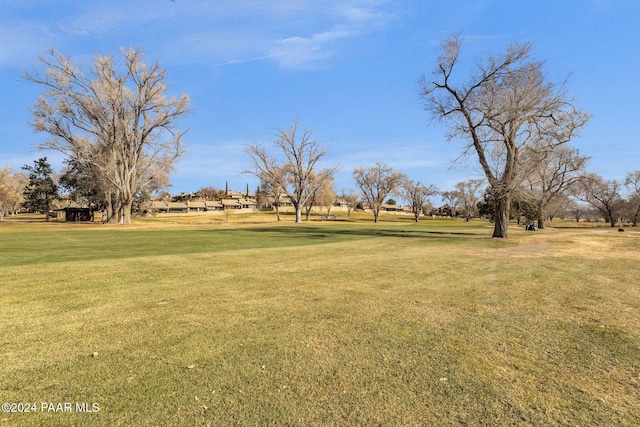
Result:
[41,190]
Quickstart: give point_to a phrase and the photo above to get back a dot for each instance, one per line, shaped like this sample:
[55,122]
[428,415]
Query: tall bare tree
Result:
[117,119]
[376,183]
[418,196]
[504,110]
[294,174]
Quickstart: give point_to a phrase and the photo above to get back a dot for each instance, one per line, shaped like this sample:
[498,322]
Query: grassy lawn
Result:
[324,323]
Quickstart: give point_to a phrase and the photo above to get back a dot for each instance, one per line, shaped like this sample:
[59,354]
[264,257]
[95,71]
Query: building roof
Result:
[177,205]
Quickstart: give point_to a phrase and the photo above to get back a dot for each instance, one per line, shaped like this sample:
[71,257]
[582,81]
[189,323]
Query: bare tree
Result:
[604,195]
[504,110]
[208,193]
[8,199]
[272,191]
[11,187]
[295,173]
[466,196]
[350,199]
[451,199]
[376,183]
[632,183]
[558,207]
[311,200]
[326,196]
[323,196]
[554,172]
[576,210]
[418,196]
[116,119]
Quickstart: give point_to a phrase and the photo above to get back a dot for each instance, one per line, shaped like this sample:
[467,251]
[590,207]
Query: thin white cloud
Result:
[349,22]
[293,33]
[298,52]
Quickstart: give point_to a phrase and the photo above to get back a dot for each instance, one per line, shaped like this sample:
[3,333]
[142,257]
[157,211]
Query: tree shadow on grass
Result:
[317,232]
[116,244]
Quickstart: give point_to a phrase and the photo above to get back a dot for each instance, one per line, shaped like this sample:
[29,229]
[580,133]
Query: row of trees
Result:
[583,196]
[117,128]
[555,181]
[589,197]
[515,123]
[290,170]
[606,196]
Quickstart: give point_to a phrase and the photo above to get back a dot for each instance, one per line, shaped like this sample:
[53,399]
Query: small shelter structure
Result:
[77,214]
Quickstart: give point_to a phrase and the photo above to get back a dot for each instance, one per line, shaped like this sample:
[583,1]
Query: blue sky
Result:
[348,69]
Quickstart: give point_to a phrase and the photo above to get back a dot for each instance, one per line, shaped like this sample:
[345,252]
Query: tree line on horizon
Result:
[587,197]
[117,128]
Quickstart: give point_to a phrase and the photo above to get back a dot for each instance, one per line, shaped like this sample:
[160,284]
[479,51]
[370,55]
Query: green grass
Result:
[324,323]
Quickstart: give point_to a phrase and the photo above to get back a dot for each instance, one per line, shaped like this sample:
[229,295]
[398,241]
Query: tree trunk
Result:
[125,212]
[111,209]
[298,214]
[278,212]
[107,214]
[46,209]
[375,215]
[501,227]
[541,207]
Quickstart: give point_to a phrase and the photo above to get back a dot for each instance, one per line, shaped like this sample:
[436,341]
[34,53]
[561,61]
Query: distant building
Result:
[185,203]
